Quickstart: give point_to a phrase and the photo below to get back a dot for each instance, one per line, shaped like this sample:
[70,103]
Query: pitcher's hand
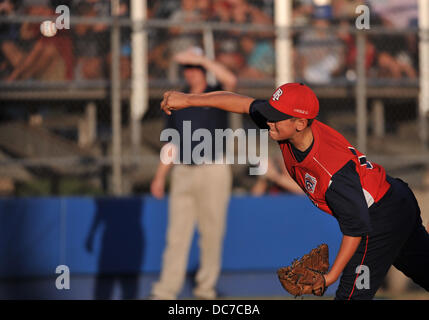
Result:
[174,100]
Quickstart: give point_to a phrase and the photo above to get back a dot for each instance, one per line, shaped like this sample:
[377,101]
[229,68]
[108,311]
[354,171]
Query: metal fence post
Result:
[283,22]
[139,81]
[209,51]
[116,102]
[424,71]
[361,112]
[377,117]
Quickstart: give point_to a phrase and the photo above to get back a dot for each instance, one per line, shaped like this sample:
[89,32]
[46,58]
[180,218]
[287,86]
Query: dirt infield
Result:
[413,295]
[381,295]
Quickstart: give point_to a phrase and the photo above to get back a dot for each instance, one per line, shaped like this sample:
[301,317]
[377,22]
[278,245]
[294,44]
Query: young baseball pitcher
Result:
[377,214]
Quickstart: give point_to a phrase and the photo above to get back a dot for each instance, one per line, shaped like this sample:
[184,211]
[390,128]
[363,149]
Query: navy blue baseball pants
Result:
[398,238]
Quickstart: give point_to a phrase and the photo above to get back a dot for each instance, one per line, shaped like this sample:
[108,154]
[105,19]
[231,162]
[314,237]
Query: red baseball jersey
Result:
[330,152]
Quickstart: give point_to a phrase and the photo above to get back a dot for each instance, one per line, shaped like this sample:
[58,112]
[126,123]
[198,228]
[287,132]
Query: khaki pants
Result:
[199,195]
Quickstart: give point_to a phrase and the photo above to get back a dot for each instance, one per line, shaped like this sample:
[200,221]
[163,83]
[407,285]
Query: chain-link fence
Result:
[57,93]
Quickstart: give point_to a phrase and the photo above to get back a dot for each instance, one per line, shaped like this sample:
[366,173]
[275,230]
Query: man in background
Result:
[30,55]
[199,193]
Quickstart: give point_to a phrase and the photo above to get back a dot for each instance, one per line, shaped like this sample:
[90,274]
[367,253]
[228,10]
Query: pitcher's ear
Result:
[301,124]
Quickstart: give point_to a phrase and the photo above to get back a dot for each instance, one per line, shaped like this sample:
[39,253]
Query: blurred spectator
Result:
[320,53]
[124,8]
[25,4]
[9,36]
[396,13]
[302,12]
[345,9]
[257,55]
[92,42]
[161,9]
[397,54]
[125,50]
[158,55]
[394,53]
[260,58]
[205,9]
[266,6]
[230,55]
[182,39]
[240,11]
[158,59]
[38,57]
[221,11]
[124,61]
[199,192]
[349,40]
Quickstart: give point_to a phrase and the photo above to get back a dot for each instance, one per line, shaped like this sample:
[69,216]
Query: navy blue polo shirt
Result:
[198,118]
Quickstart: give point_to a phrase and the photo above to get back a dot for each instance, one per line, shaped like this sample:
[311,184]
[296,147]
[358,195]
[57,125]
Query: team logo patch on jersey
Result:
[310,183]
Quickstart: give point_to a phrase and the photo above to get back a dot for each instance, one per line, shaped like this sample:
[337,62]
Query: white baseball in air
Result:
[48,28]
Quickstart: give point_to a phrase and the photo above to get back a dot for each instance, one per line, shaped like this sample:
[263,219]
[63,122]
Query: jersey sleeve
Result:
[346,199]
[256,116]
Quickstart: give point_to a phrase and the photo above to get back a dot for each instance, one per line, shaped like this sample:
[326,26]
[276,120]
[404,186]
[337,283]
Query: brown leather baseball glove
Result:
[305,276]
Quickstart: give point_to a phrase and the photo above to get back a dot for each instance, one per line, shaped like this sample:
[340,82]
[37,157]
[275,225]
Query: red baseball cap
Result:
[291,100]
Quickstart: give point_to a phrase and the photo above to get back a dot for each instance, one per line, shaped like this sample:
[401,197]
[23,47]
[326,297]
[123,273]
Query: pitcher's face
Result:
[287,129]
[282,130]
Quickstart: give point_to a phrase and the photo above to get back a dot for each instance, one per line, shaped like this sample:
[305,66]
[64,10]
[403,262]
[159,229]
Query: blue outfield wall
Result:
[102,236]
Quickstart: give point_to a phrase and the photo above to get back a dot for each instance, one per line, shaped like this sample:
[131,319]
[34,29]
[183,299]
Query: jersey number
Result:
[362,159]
